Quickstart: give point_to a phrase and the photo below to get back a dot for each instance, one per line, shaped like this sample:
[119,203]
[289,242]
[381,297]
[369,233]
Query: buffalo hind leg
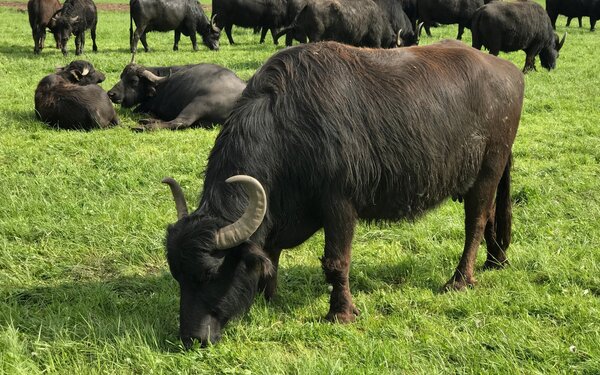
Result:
[176,40]
[194,40]
[144,42]
[461,31]
[139,32]
[228,33]
[478,210]
[263,34]
[498,228]
[79,39]
[338,225]
[593,24]
[268,283]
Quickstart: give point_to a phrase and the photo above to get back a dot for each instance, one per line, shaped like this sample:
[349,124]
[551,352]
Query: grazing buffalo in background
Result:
[574,8]
[411,10]
[326,134]
[199,94]
[184,16]
[70,99]
[40,12]
[399,21]
[265,15]
[360,23]
[75,17]
[448,12]
[513,26]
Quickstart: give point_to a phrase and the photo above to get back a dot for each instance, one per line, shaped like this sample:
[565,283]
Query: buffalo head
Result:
[210,33]
[62,27]
[218,269]
[81,73]
[549,55]
[136,84]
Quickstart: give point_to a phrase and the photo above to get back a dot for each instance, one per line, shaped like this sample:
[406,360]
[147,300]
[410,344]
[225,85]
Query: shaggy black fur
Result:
[513,26]
[196,94]
[184,16]
[399,21]
[75,17]
[71,100]
[335,134]
[448,12]
[574,8]
[40,12]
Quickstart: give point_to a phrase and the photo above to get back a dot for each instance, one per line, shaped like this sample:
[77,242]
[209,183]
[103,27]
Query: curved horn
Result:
[212,22]
[151,76]
[398,39]
[182,210]
[562,41]
[238,232]
[419,29]
[86,70]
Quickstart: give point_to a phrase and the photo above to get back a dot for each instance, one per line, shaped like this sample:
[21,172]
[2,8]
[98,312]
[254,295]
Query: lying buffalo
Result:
[75,17]
[180,97]
[71,99]
[572,9]
[184,16]
[326,134]
[513,26]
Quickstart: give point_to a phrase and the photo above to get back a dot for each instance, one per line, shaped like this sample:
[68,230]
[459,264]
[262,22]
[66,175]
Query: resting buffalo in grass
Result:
[326,134]
[360,23]
[40,12]
[184,16]
[75,17]
[265,15]
[448,12]
[513,26]
[200,94]
[572,9]
[71,99]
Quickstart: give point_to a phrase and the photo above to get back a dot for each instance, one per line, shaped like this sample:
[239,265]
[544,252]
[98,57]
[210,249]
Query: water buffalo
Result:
[71,99]
[184,16]
[513,26]
[40,12]
[266,15]
[200,94]
[75,17]
[400,22]
[359,23]
[448,12]
[572,9]
[326,134]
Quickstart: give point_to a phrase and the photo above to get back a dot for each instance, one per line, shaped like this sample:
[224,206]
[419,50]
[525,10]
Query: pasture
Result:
[85,288]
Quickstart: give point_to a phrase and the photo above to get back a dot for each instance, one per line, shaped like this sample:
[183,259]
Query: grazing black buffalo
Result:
[184,16]
[359,23]
[75,17]
[71,99]
[264,15]
[40,12]
[199,94]
[572,9]
[448,12]
[513,26]
[326,134]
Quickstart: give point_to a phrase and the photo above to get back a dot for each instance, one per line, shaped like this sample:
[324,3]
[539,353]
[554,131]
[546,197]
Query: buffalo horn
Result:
[238,232]
[212,22]
[182,210]
[419,29]
[85,71]
[151,76]
[74,19]
[398,39]
[562,41]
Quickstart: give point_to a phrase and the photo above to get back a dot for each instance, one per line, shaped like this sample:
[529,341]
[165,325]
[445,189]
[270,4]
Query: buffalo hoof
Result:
[459,283]
[175,48]
[494,264]
[343,317]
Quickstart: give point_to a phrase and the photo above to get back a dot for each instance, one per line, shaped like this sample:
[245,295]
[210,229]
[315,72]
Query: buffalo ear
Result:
[257,260]
[76,74]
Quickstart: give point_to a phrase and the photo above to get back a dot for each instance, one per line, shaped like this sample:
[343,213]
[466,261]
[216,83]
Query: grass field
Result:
[84,285]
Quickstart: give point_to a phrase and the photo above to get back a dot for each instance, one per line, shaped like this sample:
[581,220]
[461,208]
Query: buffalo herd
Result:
[324,134]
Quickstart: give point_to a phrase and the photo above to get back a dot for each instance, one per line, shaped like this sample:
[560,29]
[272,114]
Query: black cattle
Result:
[184,16]
[326,134]
[75,17]
[40,12]
[265,15]
[572,9]
[513,26]
[71,99]
[359,23]
[199,94]
[411,10]
[448,12]
[400,22]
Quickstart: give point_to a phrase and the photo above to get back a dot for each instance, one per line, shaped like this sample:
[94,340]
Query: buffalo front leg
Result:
[191,114]
[79,43]
[93,34]
[478,209]
[263,34]
[176,40]
[228,33]
[593,23]
[194,40]
[338,226]
[529,63]
[499,226]
[461,31]
[268,283]
[136,37]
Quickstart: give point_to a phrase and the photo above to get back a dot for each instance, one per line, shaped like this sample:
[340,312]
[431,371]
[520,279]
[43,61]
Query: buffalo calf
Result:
[75,17]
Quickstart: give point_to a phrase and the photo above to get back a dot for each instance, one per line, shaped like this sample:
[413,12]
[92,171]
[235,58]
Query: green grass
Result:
[84,286]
